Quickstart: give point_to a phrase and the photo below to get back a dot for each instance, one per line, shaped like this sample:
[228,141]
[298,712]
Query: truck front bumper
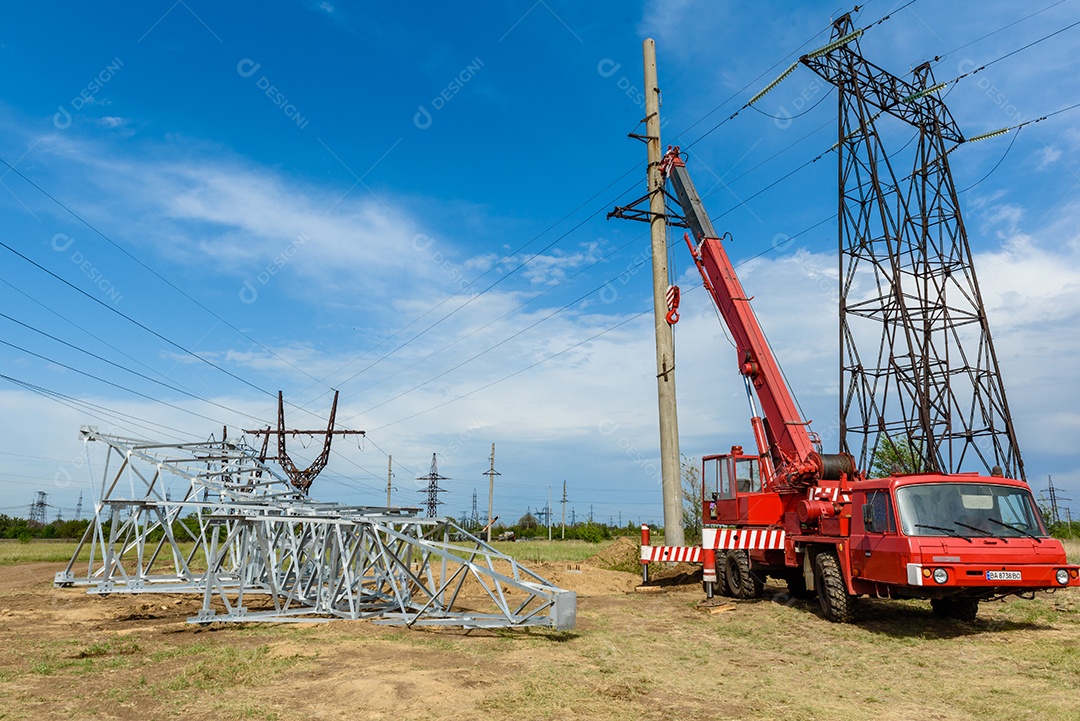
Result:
[989,576]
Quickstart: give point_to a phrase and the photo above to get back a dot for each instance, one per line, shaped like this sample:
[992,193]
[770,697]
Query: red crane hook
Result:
[672,316]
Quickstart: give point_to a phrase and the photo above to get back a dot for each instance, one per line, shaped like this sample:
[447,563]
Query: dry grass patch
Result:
[1072,549]
[632,656]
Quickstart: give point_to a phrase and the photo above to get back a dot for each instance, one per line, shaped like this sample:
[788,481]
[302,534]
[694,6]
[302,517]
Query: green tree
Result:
[894,458]
[590,532]
[691,498]
[528,522]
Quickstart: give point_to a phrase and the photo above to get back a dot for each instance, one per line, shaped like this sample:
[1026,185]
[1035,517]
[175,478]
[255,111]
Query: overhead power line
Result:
[568,233]
[106,382]
[131,320]
[97,411]
[492,285]
[118,366]
[1013,24]
[150,270]
[782,76]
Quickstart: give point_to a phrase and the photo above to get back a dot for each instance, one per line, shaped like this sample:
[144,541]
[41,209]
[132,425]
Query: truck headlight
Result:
[1062,576]
[940,575]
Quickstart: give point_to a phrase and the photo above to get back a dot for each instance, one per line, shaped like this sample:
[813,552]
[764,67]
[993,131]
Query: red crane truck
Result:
[789,511]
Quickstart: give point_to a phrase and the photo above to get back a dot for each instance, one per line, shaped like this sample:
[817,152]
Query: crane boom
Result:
[786,510]
[783,438]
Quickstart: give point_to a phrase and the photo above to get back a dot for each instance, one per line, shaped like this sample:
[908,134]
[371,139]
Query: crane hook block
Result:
[672,316]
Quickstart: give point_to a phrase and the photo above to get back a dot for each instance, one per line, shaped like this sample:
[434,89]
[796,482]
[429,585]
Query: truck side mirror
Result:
[868,517]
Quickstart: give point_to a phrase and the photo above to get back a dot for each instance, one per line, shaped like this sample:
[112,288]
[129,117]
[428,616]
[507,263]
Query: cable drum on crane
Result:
[832,465]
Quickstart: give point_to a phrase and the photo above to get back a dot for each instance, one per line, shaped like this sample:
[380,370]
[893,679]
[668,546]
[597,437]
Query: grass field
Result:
[528,551]
[544,550]
[632,656]
[35,552]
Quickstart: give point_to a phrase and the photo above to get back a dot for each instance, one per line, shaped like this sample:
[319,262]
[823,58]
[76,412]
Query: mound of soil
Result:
[675,574]
[587,580]
[623,555]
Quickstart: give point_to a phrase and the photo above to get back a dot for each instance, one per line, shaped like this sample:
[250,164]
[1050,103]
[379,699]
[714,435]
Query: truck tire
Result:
[837,604]
[741,581]
[796,586]
[960,609]
[721,574]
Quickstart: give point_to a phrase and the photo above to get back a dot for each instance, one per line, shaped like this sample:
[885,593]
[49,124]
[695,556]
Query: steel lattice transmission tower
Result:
[38,508]
[432,502]
[917,363]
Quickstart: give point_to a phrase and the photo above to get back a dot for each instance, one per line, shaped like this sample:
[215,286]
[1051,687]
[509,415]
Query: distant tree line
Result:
[529,526]
[25,530]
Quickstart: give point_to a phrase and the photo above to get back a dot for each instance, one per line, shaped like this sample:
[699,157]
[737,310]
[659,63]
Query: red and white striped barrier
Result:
[713,539]
[677,554]
[761,539]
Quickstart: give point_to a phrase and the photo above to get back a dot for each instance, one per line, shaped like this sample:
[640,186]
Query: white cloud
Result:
[549,269]
[1049,156]
[208,209]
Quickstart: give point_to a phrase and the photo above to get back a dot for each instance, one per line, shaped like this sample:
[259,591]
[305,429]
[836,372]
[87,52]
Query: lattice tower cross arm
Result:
[303,478]
[844,66]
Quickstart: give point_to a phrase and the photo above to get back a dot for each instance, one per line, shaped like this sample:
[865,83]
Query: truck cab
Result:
[733,493]
[954,539]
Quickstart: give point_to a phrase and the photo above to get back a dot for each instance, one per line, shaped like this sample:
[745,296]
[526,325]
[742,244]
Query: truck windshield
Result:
[968,509]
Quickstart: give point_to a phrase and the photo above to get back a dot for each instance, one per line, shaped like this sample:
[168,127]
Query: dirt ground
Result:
[633,655]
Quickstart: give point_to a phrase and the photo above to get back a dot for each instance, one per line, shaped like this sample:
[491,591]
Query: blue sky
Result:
[406,203]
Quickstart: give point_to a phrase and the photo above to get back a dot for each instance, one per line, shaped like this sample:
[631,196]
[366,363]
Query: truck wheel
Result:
[721,574]
[736,566]
[960,609]
[837,605]
[942,607]
[742,582]
[966,609]
[796,586]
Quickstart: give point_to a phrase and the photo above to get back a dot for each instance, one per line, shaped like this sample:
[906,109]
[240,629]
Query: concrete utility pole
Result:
[564,511]
[491,492]
[389,478]
[665,350]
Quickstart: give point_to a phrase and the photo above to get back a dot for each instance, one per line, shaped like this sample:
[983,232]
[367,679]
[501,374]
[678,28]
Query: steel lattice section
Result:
[917,359]
[260,550]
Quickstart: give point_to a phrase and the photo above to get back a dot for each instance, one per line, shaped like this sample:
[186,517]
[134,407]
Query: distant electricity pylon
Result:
[1053,499]
[38,508]
[432,502]
[917,364]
